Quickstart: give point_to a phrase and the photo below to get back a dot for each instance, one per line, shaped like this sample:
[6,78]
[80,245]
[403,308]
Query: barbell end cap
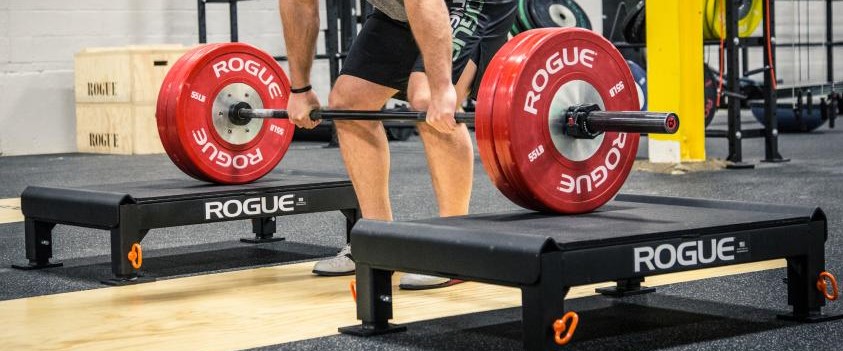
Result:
[671,123]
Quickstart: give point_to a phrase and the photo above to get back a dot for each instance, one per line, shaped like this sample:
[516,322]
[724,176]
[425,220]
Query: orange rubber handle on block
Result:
[561,325]
[353,287]
[135,256]
[823,286]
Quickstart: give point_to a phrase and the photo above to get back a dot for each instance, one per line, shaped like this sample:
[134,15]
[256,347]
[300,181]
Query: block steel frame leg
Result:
[626,287]
[802,274]
[264,229]
[543,304]
[39,245]
[123,237]
[374,303]
[352,215]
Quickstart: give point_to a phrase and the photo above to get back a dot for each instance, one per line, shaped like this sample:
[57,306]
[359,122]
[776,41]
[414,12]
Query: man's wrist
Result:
[440,84]
[300,90]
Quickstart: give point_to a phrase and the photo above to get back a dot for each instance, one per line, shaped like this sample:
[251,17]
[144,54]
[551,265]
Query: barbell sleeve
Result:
[633,122]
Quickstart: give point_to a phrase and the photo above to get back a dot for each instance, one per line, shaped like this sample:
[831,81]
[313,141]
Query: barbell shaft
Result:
[598,121]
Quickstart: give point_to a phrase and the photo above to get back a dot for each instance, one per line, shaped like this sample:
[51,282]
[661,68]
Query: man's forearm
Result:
[432,31]
[300,19]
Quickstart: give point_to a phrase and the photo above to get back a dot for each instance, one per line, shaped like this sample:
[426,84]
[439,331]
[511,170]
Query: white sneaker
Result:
[341,264]
[412,281]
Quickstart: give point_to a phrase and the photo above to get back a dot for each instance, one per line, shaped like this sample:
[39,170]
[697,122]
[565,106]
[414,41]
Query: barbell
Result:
[556,118]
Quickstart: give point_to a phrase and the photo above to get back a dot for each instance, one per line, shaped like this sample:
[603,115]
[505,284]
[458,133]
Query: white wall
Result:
[39,37]
[594,10]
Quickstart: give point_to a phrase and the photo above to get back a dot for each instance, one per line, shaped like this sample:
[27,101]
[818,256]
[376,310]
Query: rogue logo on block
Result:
[252,206]
[689,253]
[102,88]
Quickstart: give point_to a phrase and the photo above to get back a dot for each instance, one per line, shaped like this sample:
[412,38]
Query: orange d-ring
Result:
[561,325]
[135,256]
[823,286]
[352,285]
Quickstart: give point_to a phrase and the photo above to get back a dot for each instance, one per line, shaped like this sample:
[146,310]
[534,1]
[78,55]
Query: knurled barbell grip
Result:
[387,115]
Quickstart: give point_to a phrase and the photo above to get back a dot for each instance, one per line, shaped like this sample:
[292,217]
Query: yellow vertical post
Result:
[675,77]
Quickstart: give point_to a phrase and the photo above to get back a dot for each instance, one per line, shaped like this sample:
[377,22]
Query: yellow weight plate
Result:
[715,25]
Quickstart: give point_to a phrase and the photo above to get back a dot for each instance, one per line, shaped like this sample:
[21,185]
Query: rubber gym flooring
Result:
[214,292]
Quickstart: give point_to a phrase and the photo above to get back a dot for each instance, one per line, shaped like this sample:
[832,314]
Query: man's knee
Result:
[418,92]
[419,100]
[350,95]
[339,100]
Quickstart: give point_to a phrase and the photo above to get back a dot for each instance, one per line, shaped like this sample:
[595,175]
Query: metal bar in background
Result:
[810,44]
[744,59]
[746,41]
[785,92]
[771,129]
[829,38]
[332,39]
[749,41]
[732,74]
[232,17]
[348,26]
[203,34]
[332,8]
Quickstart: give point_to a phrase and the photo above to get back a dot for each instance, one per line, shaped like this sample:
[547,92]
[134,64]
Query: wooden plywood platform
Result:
[10,211]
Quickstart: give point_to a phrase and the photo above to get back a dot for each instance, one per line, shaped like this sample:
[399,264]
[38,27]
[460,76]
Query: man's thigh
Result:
[383,53]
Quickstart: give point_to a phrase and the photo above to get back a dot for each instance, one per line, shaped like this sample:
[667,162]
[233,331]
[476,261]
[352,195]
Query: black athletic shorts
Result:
[385,51]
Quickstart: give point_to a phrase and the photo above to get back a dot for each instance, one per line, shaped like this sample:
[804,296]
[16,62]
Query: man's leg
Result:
[450,157]
[365,152]
[363,144]
[479,29]
[377,65]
